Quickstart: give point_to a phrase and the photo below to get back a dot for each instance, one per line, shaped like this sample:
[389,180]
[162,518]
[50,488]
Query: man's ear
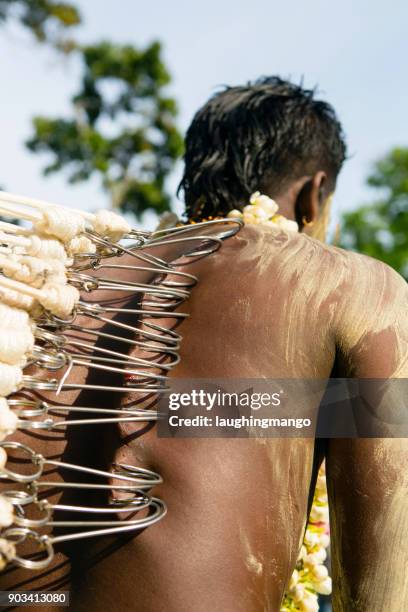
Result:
[309,200]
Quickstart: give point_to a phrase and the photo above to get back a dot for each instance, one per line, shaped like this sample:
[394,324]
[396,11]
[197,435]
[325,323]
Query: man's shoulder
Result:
[307,257]
[371,300]
[355,266]
[346,275]
[312,251]
[365,269]
[360,278]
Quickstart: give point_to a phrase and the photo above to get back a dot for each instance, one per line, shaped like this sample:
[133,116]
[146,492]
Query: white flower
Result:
[234,214]
[6,512]
[324,587]
[320,555]
[8,419]
[268,205]
[320,572]
[262,210]
[319,514]
[311,538]
[250,219]
[254,197]
[309,604]
[310,561]
[294,580]
[298,592]
[285,224]
[324,540]
[259,212]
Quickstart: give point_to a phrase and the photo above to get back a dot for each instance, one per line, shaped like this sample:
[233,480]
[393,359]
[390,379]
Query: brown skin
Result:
[268,305]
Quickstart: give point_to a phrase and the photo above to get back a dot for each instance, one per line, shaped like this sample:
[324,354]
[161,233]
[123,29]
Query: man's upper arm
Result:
[372,322]
[367,478]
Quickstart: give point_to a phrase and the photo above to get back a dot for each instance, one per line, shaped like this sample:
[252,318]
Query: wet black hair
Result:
[260,136]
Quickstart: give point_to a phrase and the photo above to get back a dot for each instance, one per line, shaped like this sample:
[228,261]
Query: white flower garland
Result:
[263,210]
[311,576]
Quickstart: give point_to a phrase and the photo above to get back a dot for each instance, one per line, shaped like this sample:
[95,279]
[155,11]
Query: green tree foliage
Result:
[122,127]
[46,19]
[380,229]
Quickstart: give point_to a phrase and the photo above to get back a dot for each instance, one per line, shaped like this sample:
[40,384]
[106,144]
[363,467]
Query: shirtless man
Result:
[270,304]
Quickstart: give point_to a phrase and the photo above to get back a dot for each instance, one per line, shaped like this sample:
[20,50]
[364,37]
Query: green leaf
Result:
[380,229]
[46,19]
[122,127]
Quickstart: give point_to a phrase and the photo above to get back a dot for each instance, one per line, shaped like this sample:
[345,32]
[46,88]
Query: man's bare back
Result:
[270,304]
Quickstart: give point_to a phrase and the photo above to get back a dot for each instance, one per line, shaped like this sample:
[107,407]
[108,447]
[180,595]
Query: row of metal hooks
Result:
[58,348]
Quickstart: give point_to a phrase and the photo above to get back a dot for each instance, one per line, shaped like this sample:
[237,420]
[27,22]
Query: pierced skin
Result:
[275,305]
[81,445]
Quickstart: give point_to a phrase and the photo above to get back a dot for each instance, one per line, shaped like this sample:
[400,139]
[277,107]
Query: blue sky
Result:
[355,51]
